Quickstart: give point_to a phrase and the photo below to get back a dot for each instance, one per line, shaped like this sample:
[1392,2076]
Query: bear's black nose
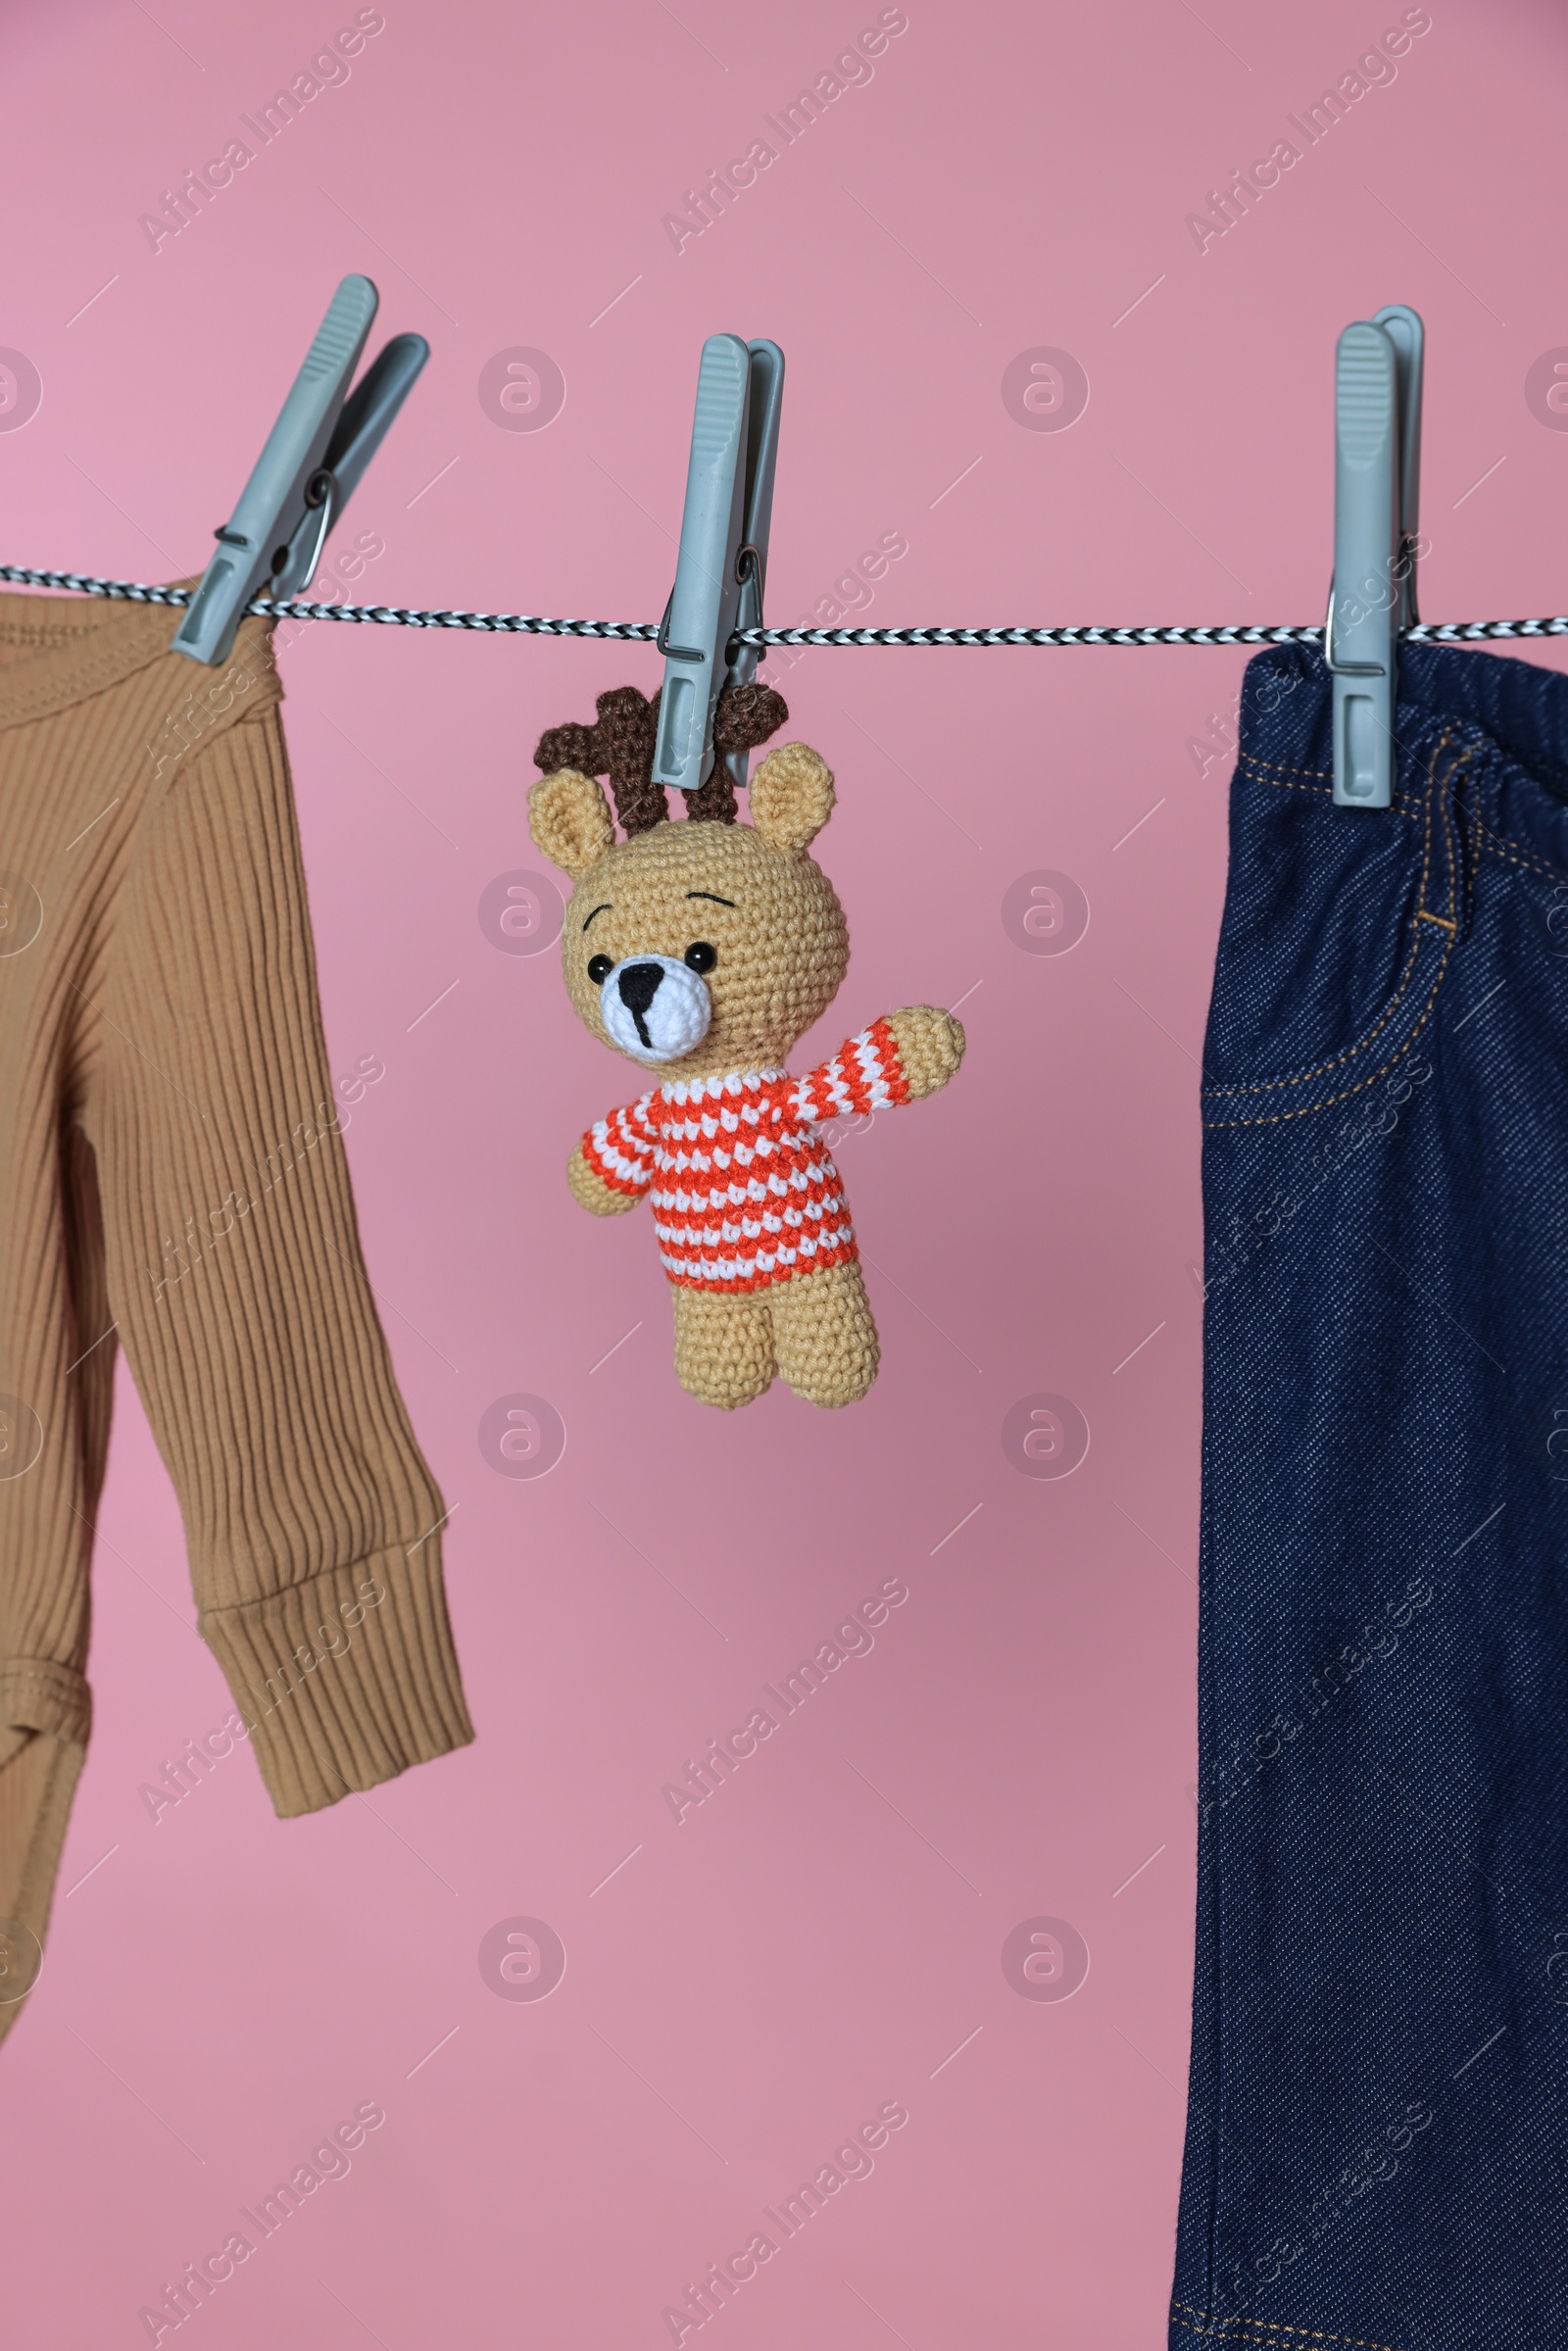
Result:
[637,986]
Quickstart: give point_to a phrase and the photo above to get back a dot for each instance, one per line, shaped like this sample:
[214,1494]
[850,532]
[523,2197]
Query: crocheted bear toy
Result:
[702,950]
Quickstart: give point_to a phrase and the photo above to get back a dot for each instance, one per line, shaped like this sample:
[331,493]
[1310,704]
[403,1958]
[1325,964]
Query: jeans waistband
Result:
[1346,922]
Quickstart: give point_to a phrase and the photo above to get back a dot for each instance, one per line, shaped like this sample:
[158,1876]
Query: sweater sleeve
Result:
[620,1148]
[864,1074]
[235,1276]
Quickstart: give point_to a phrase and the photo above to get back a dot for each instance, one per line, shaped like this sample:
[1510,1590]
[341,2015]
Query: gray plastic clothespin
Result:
[314,455]
[722,565]
[1377,472]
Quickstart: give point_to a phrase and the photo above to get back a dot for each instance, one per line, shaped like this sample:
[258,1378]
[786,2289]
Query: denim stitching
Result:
[1284,783]
[1216,1094]
[1226,2332]
[1280,769]
[1501,845]
[1401,804]
[1498,846]
[1491,844]
[1279,1118]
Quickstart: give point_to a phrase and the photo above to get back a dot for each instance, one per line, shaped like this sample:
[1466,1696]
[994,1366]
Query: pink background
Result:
[819,1938]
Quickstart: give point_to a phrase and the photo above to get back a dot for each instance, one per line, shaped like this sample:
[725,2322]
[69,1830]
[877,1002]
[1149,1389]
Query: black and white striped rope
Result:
[646,633]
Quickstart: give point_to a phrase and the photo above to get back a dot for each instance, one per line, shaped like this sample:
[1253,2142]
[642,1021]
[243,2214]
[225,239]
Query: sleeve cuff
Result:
[611,1165]
[340,1689]
[39,1695]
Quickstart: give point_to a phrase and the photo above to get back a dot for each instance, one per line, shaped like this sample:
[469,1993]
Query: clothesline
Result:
[646,633]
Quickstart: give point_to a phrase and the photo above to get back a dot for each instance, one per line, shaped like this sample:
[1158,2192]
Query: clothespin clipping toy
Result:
[722,568]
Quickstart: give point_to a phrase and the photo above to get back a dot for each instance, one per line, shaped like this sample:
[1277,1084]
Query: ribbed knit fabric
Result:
[174,1180]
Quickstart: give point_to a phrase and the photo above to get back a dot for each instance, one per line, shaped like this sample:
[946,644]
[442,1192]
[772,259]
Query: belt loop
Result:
[1440,901]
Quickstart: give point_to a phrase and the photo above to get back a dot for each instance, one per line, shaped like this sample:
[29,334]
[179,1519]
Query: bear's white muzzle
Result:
[655,1008]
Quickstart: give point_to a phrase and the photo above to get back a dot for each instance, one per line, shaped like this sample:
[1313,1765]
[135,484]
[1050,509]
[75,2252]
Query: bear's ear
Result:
[792,796]
[570,819]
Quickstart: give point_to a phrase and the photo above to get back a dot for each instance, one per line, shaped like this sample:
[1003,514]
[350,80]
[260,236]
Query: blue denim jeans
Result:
[1377,2141]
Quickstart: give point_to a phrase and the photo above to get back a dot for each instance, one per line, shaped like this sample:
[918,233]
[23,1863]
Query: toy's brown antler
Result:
[745,717]
[622,746]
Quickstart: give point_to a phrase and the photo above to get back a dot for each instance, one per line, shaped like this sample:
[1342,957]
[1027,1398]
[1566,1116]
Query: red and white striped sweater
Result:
[743,1193]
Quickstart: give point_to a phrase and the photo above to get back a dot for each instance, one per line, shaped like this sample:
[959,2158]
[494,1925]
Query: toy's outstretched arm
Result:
[930,1047]
[613,1164]
[899,1058]
[591,1192]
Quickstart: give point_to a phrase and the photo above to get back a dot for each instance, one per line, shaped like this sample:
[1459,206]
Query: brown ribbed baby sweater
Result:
[173,1180]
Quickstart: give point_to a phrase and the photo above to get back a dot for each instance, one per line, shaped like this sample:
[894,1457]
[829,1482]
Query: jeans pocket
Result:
[1340,927]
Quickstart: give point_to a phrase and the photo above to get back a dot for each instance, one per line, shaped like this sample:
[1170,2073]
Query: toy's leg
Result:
[723,1346]
[823,1335]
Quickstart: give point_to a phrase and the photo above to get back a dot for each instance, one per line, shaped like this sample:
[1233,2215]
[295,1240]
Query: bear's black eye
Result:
[600,968]
[700,957]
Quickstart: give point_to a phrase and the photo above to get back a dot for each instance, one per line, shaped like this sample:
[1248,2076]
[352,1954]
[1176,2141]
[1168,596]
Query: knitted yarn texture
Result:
[748,1209]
